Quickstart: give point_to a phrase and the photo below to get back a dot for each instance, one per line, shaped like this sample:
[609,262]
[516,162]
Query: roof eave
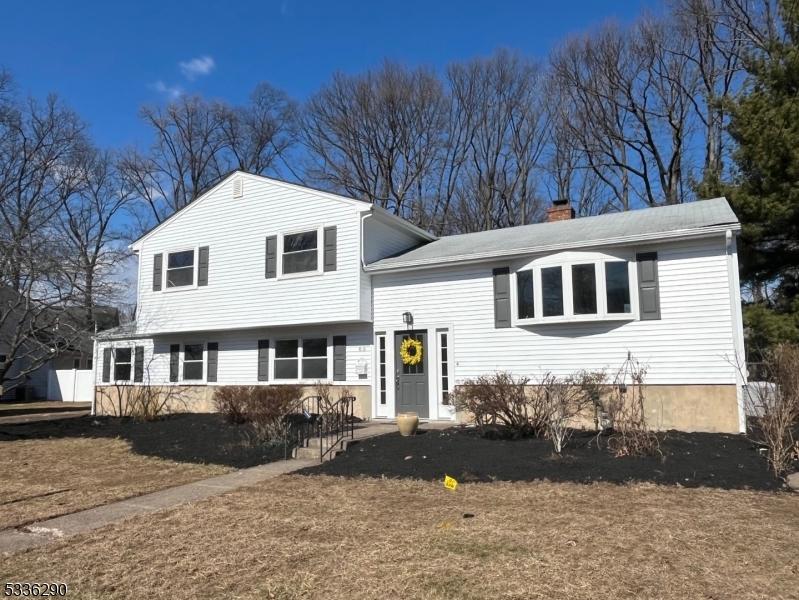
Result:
[519,252]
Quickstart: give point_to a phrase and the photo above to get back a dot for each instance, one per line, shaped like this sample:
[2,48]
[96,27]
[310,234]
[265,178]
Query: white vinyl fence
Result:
[71,385]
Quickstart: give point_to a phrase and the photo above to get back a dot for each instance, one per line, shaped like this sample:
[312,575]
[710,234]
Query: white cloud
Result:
[197,67]
[170,91]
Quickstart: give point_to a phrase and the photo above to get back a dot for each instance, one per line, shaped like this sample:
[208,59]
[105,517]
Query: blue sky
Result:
[106,59]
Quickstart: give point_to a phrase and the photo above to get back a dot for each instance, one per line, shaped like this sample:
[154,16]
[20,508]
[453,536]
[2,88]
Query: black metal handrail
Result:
[315,417]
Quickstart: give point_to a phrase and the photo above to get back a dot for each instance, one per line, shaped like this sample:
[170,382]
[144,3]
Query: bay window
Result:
[552,291]
[617,287]
[584,287]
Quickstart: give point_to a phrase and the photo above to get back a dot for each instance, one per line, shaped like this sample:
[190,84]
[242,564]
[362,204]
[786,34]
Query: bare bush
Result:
[562,400]
[500,399]
[231,402]
[263,407]
[140,402]
[776,408]
[625,411]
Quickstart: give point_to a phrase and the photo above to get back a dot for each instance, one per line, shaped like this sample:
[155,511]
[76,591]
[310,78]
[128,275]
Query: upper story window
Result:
[583,287]
[300,252]
[180,269]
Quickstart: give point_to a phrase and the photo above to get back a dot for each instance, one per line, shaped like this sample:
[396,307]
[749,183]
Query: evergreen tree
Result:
[765,126]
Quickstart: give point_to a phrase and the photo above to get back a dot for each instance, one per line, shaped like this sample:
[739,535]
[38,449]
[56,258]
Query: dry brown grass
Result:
[47,478]
[323,537]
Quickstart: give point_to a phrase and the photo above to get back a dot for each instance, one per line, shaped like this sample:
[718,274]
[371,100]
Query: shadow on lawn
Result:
[194,438]
[689,460]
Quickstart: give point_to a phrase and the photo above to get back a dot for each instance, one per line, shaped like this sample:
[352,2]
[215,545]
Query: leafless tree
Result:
[379,137]
[630,97]
[501,100]
[89,226]
[197,142]
[40,147]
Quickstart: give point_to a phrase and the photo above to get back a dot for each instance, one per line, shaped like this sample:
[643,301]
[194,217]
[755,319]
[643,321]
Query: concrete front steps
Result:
[311,451]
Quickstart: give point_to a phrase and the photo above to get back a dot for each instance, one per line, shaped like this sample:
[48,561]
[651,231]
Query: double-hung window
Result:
[192,362]
[180,269]
[584,289]
[301,358]
[300,252]
[122,364]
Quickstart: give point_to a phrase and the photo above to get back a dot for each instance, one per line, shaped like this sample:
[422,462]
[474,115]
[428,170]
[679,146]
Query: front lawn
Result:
[686,459]
[328,537]
[59,467]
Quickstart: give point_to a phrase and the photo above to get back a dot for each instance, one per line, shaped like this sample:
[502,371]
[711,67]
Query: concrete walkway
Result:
[44,532]
[30,412]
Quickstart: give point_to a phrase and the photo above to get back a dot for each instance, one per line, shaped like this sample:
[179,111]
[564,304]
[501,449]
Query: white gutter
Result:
[477,257]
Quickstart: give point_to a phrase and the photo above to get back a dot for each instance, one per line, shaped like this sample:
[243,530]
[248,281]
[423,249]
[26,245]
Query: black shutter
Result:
[158,266]
[263,360]
[213,360]
[330,248]
[174,362]
[271,257]
[502,297]
[202,271]
[138,363]
[339,357]
[106,365]
[648,289]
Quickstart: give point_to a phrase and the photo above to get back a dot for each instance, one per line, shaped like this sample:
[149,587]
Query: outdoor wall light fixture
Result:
[407,318]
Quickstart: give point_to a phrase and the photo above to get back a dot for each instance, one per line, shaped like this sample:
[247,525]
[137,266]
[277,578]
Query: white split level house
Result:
[263,282]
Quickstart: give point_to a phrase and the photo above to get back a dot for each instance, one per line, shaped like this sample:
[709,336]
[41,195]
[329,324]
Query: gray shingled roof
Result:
[695,218]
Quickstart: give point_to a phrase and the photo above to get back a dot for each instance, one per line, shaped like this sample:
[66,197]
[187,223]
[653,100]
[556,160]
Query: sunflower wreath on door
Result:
[411,351]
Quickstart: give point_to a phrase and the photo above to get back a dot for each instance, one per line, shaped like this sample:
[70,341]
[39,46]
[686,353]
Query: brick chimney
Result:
[561,210]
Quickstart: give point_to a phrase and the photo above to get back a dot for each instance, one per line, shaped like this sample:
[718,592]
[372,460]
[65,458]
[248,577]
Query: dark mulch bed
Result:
[689,459]
[194,438]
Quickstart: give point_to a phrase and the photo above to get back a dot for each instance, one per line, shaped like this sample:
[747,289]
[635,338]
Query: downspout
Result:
[741,373]
[364,216]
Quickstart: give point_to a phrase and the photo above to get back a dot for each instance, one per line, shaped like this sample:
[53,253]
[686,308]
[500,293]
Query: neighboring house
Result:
[71,352]
[262,282]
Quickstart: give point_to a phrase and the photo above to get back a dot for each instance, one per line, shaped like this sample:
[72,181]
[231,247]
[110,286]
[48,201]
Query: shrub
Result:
[624,406]
[263,407]
[231,402]
[561,400]
[776,407]
[499,399]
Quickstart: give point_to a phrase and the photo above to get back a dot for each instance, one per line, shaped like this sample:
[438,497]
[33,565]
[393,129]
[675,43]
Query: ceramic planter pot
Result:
[407,423]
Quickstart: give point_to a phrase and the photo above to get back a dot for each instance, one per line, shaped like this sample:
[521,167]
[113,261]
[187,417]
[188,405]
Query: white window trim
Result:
[568,315]
[320,256]
[300,379]
[195,274]
[182,362]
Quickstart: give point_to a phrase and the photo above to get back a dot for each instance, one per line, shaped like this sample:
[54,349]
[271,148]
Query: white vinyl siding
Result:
[691,344]
[238,295]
